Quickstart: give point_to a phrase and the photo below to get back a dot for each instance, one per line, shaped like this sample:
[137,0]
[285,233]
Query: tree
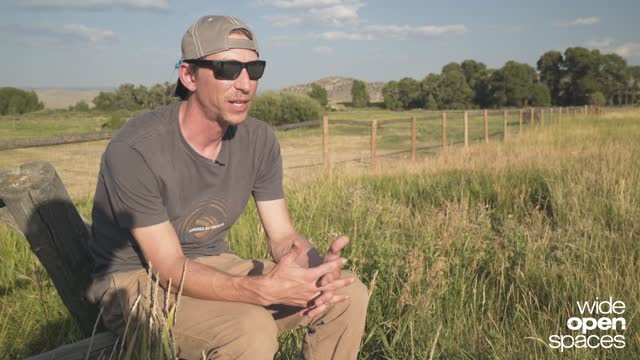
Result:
[477,77]
[582,66]
[319,94]
[597,99]
[512,84]
[391,96]
[359,94]
[15,101]
[540,95]
[453,92]
[551,68]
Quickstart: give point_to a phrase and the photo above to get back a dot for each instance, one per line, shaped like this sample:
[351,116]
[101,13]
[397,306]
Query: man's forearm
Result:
[207,283]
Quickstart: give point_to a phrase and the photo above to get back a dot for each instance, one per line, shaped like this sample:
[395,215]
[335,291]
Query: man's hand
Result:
[328,297]
[291,284]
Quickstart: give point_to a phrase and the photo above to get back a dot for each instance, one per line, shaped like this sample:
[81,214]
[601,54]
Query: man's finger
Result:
[317,310]
[337,245]
[337,284]
[327,267]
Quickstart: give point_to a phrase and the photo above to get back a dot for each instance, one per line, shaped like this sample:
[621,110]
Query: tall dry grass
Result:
[474,254]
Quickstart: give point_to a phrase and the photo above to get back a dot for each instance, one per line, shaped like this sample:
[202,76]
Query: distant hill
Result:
[63,98]
[339,89]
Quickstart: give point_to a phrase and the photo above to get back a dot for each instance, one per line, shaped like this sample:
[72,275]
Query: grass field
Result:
[475,254]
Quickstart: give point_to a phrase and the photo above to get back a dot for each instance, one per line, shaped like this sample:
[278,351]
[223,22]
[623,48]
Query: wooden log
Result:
[38,202]
[486,126]
[374,130]
[102,346]
[506,124]
[466,129]
[326,162]
[303,124]
[414,136]
[54,140]
[444,130]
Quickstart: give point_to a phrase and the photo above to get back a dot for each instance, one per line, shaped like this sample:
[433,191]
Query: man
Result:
[171,184]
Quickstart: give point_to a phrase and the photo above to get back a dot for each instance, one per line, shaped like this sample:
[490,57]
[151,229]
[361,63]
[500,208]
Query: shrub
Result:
[277,108]
[115,122]
[319,94]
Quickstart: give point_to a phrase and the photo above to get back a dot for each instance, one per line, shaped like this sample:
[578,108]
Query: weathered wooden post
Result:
[37,201]
[542,117]
[506,124]
[533,117]
[326,162]
[486,126]
[414,135]
[374,130]
[559,114]
[520,122]
[444,130]
[466,130]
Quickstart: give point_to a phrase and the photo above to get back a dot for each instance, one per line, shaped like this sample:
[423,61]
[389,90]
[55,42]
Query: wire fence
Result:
[317,147]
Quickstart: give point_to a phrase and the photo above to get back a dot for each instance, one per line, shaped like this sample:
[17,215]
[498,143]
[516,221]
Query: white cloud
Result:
[292,4]
[402,31]
[324,50]
[59,35]
[337,14]
[96,4]
[600,43]
[629,51]
[341,35]
[585,21]
[87,34]
[284,20]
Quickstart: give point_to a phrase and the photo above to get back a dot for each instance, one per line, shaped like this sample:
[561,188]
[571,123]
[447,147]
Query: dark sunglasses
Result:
[231,69]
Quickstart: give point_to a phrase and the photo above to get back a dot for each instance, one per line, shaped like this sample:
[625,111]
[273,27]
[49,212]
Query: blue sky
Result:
[104,43]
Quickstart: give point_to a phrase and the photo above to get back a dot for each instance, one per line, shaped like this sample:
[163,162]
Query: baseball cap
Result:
[210,35]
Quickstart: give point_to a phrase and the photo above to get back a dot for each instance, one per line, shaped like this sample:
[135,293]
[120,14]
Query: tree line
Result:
[15,101]
[577,77]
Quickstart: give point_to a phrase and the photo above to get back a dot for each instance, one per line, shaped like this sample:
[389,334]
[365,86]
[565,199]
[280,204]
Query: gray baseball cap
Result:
[210,35]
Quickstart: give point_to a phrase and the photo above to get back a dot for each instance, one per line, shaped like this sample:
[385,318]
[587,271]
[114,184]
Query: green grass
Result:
[493,246]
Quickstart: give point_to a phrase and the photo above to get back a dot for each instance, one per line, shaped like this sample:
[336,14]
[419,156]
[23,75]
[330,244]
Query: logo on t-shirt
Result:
[204,220]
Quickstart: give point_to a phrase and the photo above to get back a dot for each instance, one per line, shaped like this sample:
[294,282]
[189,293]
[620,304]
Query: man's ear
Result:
[187,75]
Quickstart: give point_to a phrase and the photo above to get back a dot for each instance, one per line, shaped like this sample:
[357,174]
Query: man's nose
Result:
[243,83]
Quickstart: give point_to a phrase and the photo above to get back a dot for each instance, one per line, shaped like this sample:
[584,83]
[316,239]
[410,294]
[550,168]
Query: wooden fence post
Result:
[486,126]
[520,122]
[444,130]
[325,144]
[466,130]
[39,204]
[414,135]
[551,116]
[374,131]
[559,114]
[542,117]
[504,136]
[533,117]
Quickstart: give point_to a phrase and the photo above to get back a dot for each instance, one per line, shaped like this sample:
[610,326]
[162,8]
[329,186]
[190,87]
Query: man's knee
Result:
[252,335]
[355,308]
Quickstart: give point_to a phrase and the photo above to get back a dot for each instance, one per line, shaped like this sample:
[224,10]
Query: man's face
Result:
[227,101]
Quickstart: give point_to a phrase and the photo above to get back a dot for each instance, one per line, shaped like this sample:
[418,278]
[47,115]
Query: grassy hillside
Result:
[474,254]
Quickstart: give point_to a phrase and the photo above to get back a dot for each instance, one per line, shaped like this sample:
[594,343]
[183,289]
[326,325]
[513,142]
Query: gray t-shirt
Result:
[150,174]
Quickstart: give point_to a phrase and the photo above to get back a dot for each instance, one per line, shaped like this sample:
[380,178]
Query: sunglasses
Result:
[231,69]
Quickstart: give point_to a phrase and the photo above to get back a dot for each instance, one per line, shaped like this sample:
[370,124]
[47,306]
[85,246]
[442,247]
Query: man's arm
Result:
[288,283]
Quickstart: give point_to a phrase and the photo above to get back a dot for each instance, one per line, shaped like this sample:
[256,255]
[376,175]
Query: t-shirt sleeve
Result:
[268,184]
[132,188]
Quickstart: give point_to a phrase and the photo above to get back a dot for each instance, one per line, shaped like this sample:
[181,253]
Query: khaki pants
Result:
[233,330]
